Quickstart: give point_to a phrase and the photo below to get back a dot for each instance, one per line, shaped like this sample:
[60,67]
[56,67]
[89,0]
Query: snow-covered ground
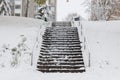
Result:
[102,41]
[23,32]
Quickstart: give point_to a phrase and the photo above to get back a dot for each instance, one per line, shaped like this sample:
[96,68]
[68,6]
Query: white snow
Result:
[19,74]
[15,29]
[65,8]
[102,41]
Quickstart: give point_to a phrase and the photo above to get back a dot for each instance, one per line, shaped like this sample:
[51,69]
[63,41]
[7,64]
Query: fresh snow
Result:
[72,6]
[102,42]
[13,30]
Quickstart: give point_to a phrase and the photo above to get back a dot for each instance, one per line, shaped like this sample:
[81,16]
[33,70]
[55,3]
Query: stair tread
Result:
[60,56]
[61,47]
[61,66]
[51,62]
[55,40]
[53,43]
[61,53]
[67,60]
[62,70]
[65,42]
[59,38]
[40,63]
[61,31]
[62,36]
[76,45]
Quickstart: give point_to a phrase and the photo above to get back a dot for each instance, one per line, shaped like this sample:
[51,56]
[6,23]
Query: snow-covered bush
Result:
[19,55]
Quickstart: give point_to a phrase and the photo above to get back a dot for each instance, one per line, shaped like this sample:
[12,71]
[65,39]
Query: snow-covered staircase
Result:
[61,51]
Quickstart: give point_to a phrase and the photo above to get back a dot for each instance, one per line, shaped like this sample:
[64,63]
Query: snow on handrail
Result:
[83,39]
[37,43]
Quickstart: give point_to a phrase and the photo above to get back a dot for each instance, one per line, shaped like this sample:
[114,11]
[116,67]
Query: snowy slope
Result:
[12,27]
[13,30]
[103,43]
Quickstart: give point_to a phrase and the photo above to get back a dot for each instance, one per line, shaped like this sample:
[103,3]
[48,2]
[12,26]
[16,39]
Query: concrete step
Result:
[61,48]
[55,56]
[61,43]
[60,67]
[61,63]
[61,37]
[61,53]
[67,62]
[62,70]
[55,45]
[63,59]
[64,41]
[53,61]
[61,32]
[46,54]
[60,40]
[63,28]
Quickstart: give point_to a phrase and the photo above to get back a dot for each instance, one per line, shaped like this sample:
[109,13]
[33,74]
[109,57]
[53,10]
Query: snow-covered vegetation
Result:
[105,9]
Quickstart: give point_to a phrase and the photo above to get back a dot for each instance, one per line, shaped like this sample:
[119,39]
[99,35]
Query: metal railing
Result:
[84,44]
